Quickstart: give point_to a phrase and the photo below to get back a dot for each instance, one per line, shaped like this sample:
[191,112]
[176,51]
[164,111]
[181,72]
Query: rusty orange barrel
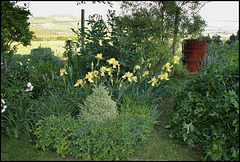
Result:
[194,51]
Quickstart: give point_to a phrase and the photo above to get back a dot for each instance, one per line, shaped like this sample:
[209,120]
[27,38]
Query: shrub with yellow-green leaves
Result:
[98,106]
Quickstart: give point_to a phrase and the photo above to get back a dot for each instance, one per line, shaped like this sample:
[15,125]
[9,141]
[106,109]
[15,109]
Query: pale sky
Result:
[215,13]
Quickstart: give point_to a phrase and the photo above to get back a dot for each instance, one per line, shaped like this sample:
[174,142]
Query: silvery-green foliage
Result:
[98,106]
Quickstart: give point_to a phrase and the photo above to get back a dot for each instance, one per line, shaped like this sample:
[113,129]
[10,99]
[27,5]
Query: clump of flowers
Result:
[139,71]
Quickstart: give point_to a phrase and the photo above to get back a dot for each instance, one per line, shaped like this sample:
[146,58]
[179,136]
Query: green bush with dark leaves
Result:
[207,112]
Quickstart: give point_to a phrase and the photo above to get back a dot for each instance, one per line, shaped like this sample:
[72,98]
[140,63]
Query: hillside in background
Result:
[58,27]
[54,27]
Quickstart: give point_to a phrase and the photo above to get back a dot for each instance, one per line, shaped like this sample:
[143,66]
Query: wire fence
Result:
[50,35]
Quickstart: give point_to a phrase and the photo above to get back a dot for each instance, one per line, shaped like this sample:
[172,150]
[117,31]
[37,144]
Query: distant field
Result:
[53,31]
[56,46]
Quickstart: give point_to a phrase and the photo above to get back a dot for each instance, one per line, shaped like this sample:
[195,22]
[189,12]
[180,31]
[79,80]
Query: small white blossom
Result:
[30,87]
[29,84]
[2,100]
[3,105]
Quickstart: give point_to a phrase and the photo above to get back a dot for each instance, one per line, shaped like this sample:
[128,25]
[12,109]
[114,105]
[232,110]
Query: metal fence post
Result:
[82,26]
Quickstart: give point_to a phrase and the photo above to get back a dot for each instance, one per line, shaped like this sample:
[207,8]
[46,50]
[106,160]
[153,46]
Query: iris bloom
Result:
[89,76]
[115,63]
[163,76]
[128,75]
[145,73]
[167,66]
[79,83]
[176,59]
[62,72]
[136,68]
[95,73]
[103,69]
[64,58]
[99,56]
[110,43]
[109,70]
[111,60]
[134,78]
[153,81]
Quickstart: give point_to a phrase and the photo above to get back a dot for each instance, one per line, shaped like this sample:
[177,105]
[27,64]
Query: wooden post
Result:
[82,25]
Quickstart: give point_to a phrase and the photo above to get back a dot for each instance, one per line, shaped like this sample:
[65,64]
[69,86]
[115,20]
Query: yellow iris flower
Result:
[95,73]
[103,69]
[145,73]
[136,68]
[167,66]
[79,83]
[63,71]
[134,78]
[89,76]
[109,70]
[153,81]
[128,75]
[115,63]
[110,61]
[163,76]
[99,56]
[64,58]
[176,59]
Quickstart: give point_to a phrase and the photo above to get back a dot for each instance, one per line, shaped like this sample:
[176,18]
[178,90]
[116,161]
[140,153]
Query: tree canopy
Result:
[14,27]
[165,19]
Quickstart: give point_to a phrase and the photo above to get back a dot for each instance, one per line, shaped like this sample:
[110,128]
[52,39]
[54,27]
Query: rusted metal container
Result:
[194,51]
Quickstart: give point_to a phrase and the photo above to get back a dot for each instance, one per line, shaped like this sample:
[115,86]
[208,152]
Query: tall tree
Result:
[14,27]
[168,19]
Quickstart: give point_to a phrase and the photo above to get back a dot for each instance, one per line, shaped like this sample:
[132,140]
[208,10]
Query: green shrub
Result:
[113,140]
[207,112]
[45,77]
[98,106]
[44,54]
[55,133]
